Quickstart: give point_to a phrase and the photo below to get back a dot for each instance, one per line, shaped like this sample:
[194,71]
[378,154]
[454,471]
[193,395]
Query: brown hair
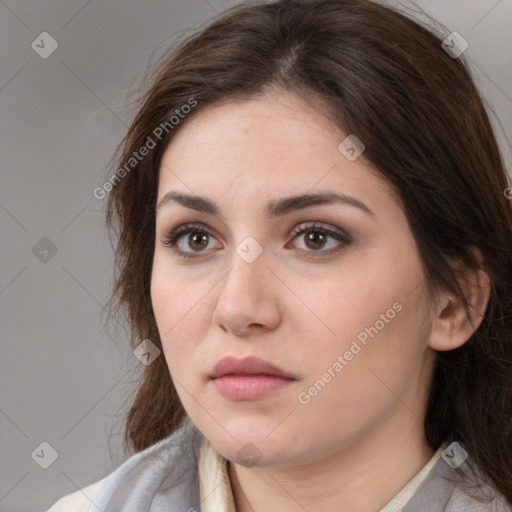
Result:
[387,79]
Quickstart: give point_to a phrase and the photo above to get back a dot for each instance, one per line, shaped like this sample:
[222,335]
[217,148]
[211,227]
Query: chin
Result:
[256,443]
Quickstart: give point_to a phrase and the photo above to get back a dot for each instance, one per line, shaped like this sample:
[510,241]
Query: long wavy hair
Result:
[386,78]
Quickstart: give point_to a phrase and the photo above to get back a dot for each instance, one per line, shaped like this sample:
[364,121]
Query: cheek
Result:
[170,311]
[358,375]
[182,322]
[370,311]
[349,301]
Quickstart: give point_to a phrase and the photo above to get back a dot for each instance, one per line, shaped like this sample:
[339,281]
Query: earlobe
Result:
[452,326]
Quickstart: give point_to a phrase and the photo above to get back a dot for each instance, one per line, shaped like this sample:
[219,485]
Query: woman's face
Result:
[331,293]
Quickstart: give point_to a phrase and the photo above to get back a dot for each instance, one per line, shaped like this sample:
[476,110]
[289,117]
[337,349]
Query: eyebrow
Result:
[276,208]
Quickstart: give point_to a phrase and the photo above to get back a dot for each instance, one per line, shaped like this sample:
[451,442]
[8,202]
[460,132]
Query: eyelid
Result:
[182,230]
[320,226]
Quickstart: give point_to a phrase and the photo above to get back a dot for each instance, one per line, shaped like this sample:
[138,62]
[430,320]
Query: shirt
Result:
[184,473]
[216,493]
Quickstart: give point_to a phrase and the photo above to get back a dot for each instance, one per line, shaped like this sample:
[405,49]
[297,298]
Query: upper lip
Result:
[247,366]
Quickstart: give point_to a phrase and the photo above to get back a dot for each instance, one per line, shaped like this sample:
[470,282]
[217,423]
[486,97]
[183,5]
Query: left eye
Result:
[317,236]
[316,239]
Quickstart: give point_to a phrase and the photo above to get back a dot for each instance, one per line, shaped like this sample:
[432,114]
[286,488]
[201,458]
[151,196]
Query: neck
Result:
[364,476]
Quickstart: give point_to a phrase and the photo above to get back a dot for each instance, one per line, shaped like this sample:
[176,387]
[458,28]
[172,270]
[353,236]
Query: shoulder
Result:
[487,501]
[78,501]
[162,474]
[472,492]
[480,498]
[456,484]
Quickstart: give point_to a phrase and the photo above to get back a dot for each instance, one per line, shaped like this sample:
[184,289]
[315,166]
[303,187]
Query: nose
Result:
[248,300]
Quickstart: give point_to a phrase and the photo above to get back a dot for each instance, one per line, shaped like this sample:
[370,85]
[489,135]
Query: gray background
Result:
[62,379]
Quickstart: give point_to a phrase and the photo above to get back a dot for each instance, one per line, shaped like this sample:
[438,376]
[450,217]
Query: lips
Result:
[247,366]
[249,378]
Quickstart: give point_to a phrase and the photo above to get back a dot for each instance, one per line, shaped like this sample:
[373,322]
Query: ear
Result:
[452,327]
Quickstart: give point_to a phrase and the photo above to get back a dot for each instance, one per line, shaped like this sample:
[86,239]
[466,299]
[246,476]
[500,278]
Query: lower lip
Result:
[253,387]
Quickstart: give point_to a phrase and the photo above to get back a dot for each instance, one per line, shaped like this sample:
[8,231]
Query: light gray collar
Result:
[164,478]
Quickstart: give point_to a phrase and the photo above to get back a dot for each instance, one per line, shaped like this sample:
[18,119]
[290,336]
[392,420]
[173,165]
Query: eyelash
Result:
[171,239]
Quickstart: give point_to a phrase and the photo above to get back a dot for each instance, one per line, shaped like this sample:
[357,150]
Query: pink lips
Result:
[249,378]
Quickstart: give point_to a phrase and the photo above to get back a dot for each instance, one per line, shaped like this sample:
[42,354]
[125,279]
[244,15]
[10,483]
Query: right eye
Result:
[199,240]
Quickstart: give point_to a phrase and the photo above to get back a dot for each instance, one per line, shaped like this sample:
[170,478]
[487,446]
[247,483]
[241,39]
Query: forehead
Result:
[274,145]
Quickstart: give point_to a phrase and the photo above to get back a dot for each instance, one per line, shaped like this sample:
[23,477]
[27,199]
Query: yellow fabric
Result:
[214,485]
[217,496]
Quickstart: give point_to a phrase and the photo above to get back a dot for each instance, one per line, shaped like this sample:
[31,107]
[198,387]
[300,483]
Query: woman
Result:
[314,245]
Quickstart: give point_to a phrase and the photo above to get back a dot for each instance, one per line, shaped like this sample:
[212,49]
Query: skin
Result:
[359,440]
